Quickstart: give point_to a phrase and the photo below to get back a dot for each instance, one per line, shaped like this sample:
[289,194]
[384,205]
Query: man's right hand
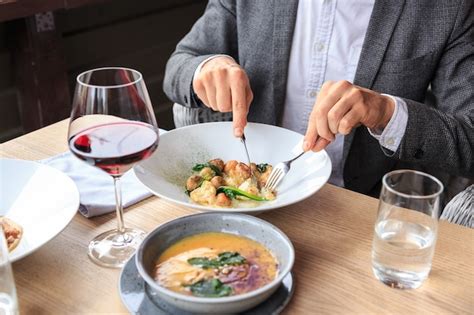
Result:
[224,86]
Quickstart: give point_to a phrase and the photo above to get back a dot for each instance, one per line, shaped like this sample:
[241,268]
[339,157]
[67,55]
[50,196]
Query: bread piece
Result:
[13,232]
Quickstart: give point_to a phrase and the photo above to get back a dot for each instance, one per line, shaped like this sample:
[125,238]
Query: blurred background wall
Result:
[44,44]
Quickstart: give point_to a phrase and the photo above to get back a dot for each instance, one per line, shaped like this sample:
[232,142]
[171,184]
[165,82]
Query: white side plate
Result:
[40,198]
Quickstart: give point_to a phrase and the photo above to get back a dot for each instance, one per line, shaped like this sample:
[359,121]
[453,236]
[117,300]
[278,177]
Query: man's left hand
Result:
[342,106]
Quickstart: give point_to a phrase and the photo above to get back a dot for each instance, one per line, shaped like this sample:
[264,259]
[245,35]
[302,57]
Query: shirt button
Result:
[390,141]
[312,93]
[320,46]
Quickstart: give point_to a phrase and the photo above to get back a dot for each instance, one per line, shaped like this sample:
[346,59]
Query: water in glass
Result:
[403,250]
[406,228]
[7,304]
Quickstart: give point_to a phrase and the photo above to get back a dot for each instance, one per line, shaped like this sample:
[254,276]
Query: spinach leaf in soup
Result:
[203,262]
[231,258]
[225,258]
[210,288]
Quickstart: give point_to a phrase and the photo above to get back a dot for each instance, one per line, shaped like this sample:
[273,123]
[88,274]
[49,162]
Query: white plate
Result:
[165,172]
[39,198]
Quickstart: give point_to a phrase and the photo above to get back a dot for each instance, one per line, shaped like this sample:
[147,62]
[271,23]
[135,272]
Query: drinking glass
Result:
[406,228]
[112,127]
[8,298]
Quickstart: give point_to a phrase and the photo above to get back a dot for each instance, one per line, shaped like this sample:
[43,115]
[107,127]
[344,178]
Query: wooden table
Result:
[331,231]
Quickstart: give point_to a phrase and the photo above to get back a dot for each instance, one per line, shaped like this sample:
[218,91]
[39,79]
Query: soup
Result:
[215,264]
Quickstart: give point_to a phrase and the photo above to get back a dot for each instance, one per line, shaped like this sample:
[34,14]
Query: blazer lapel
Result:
[284,18]
[383,20]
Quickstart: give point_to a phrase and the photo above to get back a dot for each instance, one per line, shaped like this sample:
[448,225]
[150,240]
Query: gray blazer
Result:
[409,46]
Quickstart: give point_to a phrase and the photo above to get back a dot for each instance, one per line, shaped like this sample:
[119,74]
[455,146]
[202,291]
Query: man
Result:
[351,75]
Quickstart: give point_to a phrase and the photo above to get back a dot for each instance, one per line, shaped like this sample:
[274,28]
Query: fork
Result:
[278,172]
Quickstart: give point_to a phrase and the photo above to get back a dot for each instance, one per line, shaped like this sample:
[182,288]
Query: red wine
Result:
[115,147]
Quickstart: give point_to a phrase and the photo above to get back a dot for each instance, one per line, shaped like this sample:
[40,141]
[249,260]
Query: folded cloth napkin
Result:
[96,188]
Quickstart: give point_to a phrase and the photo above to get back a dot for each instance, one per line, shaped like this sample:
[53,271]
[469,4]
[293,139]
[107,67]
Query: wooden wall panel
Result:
[150,40]
[6,70]
[92,36]
[10,10]
[102,43]
[10,122]
[84,18]
[40,72]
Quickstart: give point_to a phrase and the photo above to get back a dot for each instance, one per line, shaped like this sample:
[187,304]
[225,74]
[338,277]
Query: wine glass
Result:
[112,127]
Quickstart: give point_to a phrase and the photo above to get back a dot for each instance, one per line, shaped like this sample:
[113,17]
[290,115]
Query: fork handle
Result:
[296,157]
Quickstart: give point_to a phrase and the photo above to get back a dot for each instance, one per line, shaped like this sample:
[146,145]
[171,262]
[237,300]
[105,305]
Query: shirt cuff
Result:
[393,133]
[199,67]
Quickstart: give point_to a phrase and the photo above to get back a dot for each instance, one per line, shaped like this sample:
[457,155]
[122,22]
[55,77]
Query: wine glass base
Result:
[112,248]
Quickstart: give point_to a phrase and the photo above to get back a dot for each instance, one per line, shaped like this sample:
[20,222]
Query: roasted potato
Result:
[223,201]
[217,163]
[236,173]
[218,181]
[193,182]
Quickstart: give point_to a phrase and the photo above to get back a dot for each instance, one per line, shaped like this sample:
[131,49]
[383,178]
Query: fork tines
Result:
[275,177]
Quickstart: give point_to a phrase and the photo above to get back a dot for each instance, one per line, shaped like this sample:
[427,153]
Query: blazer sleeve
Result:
[443,137]
[214,33]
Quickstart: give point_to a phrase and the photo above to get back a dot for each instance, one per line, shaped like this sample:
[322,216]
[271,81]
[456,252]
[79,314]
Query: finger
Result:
[211,94]
[249,96]
[350,120]
[325,101]
[239,86]
[311,132]
[320,144]
[200,91]
[335,114]
[312,135]
[223,96]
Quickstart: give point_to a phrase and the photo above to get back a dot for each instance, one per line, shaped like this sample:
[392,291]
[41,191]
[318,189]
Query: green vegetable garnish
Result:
[199,167]
[231,258]
[215,169]
[225,258]
[233,192]
[262,167]
[210,288]
[203,262]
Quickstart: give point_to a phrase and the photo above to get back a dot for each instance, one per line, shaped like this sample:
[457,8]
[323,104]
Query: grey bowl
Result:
[169,233]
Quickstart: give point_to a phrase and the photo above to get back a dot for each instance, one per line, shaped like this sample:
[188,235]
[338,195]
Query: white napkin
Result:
[96,188]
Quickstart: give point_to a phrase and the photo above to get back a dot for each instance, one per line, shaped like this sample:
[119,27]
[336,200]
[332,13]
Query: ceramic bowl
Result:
[169,233]
[165,172]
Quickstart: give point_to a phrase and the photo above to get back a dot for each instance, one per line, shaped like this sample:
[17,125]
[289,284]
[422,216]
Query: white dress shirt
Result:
[327,43]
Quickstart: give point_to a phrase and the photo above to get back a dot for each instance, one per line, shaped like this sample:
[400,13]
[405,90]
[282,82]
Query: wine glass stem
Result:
[118,205]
